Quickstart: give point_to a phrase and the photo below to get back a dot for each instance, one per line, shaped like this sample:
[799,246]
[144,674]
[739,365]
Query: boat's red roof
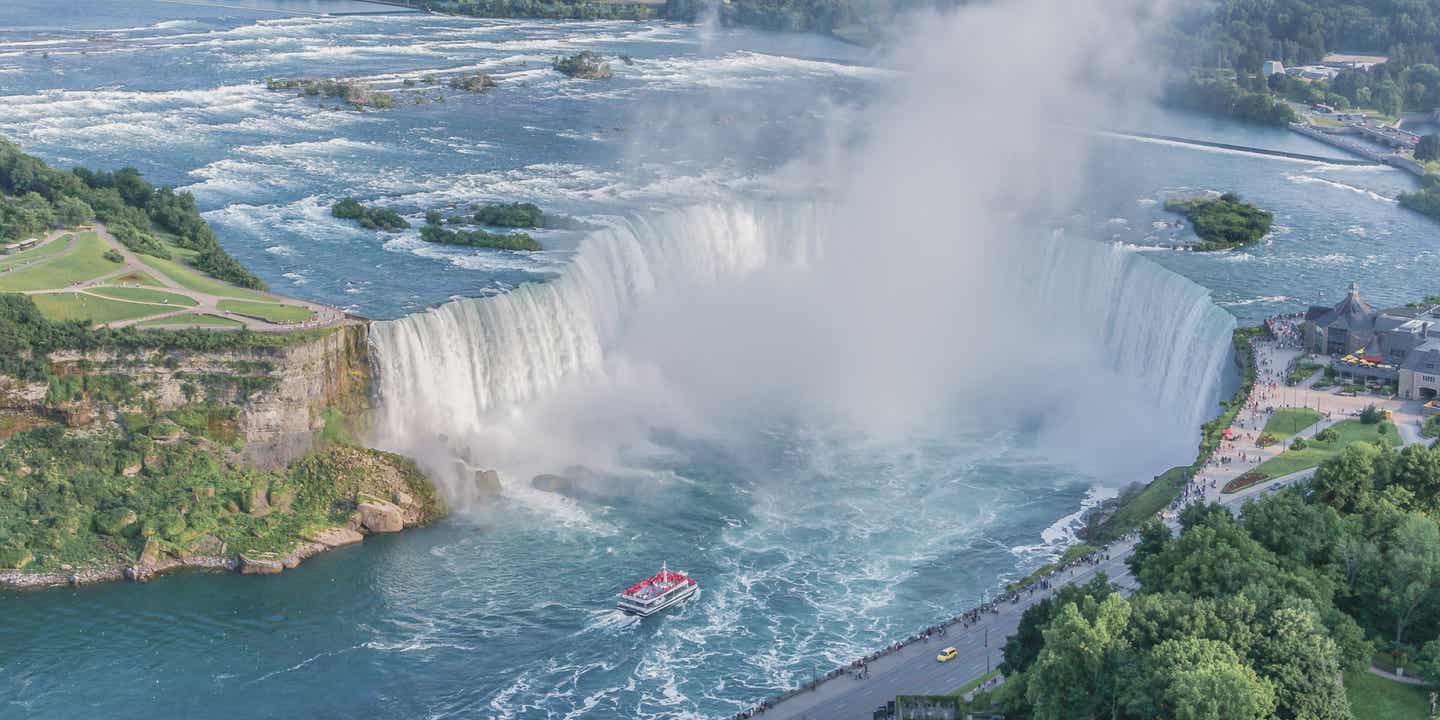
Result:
[663,577]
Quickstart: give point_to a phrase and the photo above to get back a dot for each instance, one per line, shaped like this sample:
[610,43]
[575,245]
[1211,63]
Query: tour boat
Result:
[665,589]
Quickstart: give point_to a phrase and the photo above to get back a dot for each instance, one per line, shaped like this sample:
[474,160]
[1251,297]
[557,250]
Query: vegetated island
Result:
[583,66]
[128,448]
[361,96]
[518,215]
[353,92]
[1426,200]
[434,232]
[370,218]
[1225,222]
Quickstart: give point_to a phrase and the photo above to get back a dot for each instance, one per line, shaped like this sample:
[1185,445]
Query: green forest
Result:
[36,198]
[1250,618]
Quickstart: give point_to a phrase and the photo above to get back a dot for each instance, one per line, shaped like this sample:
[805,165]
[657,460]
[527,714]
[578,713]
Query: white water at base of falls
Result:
[715,311]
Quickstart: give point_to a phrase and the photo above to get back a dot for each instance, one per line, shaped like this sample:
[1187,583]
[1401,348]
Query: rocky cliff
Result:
[127,464]
[283,397]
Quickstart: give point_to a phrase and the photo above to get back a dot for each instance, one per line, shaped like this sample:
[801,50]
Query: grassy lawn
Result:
[967,687]
[75,306]
[1315,453]
[85,263]
[1376,698]
[192,319]
[267,311]
[50,249]
[1149,501]
[1302,372]
[193,279]
[1288,421]
[159,297]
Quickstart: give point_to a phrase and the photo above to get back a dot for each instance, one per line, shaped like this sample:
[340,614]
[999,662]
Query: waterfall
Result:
[1082,320]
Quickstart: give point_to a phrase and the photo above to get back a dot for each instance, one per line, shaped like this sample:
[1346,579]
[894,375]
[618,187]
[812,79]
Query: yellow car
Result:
[946,655]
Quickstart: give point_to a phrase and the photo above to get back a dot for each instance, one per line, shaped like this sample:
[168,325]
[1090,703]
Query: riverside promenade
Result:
[1273,359]
[910,667]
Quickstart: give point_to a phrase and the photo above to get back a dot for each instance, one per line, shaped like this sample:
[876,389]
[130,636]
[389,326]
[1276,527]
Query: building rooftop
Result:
[1353,313]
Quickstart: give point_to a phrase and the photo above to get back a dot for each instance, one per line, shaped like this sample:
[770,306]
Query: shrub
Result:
[1266,440]
[1298,444]
[1244,481]
[1328,435]
[114,522]
[1370,415]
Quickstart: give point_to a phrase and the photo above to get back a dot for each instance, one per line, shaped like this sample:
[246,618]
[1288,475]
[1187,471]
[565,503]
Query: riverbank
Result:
[1340,139]
[149,569]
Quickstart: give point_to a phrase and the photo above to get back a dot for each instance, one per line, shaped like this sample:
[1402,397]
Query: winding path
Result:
[205,303]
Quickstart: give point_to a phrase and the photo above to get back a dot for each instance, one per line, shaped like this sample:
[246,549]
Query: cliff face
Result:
[128,464]
[285,398]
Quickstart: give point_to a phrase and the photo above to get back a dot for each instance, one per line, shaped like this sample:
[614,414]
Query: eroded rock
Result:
[381,517]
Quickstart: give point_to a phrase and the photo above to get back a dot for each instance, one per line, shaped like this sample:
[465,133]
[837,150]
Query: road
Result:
[914,670]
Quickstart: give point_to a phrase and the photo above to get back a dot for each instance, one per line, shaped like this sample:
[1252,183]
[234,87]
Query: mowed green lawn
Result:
[193,279]
[1315,453]
[159,297]
[1376,698]
[86,262]
[50,249]
[1288,421]
[192,319]
[267,311]
[76,306]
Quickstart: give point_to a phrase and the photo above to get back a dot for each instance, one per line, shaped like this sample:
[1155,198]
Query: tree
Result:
[1428,148]
[1429,662]
[1344,481]
[1196,679]
[1295,653]
[1214,558]
[1024,645]
[1154,535]
[1389,99]
[1293,529]
[1412,570]
[1074,676]
[1417,469]
[72,211]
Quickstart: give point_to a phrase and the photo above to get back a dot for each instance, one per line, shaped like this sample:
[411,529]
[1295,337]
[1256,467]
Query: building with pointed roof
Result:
[1343,329]
[1400,345]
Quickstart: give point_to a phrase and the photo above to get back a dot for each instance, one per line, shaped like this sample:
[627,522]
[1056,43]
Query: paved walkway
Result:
[1398,678]
[205,303]
[1273,358]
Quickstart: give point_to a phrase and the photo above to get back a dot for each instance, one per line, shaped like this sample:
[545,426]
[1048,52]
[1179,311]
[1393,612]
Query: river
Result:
[612,357]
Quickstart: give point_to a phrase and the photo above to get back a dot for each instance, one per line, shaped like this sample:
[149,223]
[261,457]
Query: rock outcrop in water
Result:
[583,66]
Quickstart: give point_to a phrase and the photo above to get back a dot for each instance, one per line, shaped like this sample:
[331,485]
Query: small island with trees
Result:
[1225,222]
[370,218]
[583,66]
[434,231]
